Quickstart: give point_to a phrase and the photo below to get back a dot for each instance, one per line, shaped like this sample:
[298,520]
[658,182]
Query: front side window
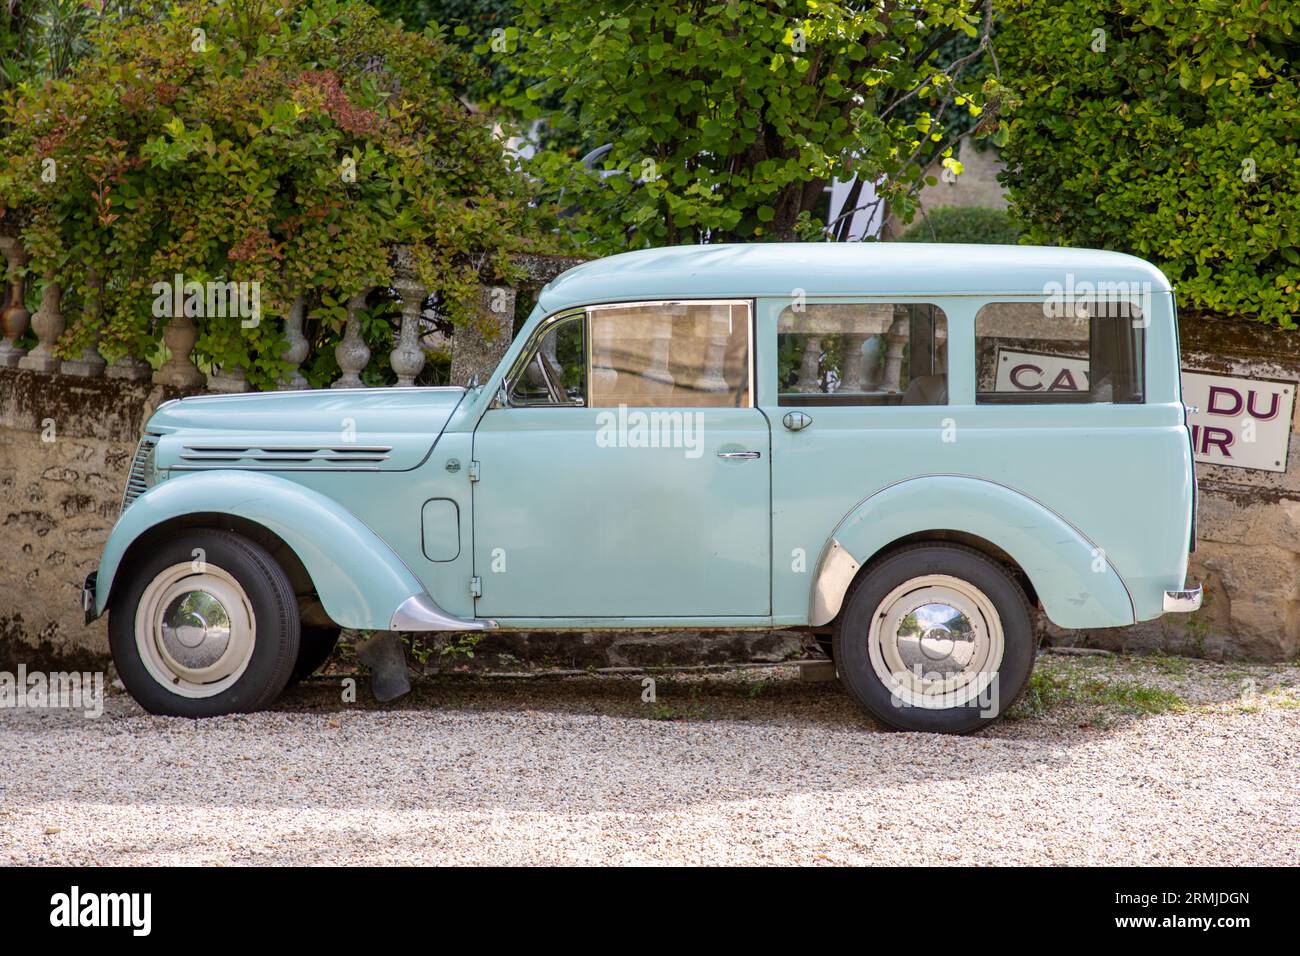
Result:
[670,355]
[1031,353]
[554,371]
[862,353]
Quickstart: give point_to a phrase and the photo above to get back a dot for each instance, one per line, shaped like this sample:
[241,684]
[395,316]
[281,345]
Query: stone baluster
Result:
[296,353]
[90,364]
[660,345]
[477,351]
[871,363]
[352,353]
[407,358]
[895,341]
[851,372]
[179,370]
[49,324]
[716,322]
[14,318]
[810,365]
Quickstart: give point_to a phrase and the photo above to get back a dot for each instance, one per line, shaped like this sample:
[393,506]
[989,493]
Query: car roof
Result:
[782,269]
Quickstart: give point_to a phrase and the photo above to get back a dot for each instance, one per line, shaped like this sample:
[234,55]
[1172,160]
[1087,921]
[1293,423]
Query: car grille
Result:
[135,480]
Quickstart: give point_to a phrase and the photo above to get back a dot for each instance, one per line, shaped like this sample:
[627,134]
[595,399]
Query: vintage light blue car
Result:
[902,447]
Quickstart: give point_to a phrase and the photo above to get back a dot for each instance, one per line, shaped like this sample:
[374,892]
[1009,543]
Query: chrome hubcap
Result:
[936,641]
[195,629]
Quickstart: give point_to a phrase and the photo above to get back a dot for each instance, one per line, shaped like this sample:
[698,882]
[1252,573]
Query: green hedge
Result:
[291,144]
[1165,128]
[964,224]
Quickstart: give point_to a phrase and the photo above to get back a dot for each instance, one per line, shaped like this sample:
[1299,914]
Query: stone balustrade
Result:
[475,351]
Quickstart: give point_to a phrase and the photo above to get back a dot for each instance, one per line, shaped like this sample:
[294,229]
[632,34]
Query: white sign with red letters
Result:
[1240,422]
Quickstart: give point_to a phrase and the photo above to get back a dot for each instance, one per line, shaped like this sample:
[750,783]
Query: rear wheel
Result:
[935,638]
[206,624]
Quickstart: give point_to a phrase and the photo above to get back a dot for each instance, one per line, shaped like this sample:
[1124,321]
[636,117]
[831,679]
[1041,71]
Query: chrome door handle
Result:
[744,455]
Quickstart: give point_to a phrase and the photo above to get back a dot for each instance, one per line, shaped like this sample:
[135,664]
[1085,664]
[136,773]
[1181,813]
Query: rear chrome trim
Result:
[1183,601]
[419,613]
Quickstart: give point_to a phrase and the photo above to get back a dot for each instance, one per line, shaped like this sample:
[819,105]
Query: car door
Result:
[625,472]
[857,389]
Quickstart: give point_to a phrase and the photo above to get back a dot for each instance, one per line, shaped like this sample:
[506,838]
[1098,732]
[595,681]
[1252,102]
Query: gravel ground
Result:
[1110,760]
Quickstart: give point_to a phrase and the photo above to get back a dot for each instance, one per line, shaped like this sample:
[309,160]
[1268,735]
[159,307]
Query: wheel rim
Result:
[936,642]
[195,630]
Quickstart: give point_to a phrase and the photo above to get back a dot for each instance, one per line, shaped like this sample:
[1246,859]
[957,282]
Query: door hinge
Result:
[476,587]
[473,471]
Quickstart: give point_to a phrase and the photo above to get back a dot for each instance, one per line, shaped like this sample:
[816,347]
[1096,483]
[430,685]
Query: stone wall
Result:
[65,447]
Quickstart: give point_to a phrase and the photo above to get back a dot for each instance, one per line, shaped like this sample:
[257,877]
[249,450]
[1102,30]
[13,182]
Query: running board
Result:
[419,613]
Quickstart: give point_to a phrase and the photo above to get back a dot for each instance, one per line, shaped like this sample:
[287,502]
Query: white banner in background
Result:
[1239,422]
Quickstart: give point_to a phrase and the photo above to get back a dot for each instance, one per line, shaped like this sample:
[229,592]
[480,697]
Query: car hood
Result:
[369,429]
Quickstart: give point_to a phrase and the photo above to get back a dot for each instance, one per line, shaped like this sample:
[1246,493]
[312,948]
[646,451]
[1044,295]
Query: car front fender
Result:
[1077,586]
[360,580]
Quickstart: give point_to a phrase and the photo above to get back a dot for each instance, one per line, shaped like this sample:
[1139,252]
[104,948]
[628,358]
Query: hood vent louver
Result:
[295,457]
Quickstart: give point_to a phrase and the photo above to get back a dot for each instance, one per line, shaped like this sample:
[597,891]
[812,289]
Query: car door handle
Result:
[796,421]
[744,455]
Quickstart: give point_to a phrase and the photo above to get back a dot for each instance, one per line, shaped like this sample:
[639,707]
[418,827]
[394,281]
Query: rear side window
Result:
[1029,353]
[862,353]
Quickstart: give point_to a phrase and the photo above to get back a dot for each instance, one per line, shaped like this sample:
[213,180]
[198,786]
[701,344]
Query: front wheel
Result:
[206,624]
[935,638]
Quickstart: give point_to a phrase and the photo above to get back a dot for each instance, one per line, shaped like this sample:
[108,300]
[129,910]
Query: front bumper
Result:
[1183,601]
[88,596]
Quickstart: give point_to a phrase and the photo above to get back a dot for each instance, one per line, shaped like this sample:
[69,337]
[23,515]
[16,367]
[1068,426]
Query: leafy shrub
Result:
[964,224]
[292,144]
[727,120]
[1165,128]
[478,19]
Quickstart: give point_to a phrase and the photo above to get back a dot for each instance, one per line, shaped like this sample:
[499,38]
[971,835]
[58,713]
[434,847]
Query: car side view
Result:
[902,448]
